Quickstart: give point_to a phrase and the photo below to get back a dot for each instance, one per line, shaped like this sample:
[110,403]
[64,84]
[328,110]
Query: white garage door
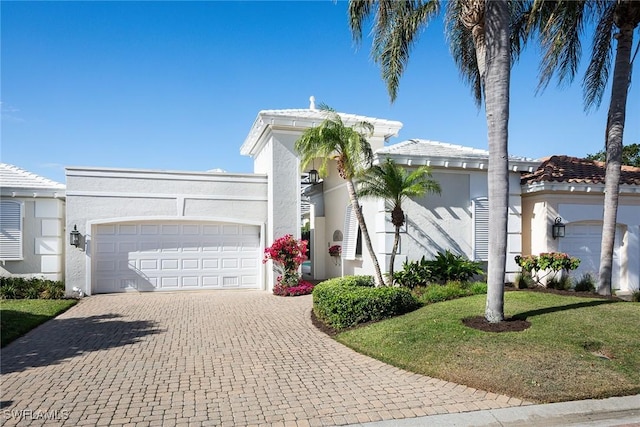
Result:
[170,256]
[583,241]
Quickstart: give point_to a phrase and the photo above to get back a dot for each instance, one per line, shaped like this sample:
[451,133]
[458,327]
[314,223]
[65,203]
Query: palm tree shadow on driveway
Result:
[60,339]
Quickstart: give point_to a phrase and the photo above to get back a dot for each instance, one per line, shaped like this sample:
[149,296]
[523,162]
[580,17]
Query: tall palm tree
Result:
[394,184]
[483,36]
[561,25]
[348,146]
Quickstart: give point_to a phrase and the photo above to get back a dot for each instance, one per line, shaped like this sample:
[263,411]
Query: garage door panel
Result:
[157,256]
[583,241]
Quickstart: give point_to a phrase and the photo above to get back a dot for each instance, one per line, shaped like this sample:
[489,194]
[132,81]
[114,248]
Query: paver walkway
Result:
[223,358]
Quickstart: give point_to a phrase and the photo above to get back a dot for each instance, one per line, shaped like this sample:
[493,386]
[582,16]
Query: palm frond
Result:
[463,50]
[396,27]
[597,74]
[560,25]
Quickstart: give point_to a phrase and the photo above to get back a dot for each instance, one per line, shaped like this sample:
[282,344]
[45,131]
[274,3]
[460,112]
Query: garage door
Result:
[170,256]
[583,241]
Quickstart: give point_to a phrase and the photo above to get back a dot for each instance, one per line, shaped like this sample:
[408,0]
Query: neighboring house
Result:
[32,237]
[151,230]
[572,190]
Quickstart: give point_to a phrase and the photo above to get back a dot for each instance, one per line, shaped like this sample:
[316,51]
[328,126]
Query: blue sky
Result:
[177,85]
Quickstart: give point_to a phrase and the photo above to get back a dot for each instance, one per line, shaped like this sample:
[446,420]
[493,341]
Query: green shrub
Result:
[448,266]
[586,283]
[345,302]
[362,281]
[451,290]
[413,273]
[635,296]
[563,283]
[32,288]
[524,281]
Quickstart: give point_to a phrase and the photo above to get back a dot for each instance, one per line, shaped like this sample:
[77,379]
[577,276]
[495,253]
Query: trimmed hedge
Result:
[348,301]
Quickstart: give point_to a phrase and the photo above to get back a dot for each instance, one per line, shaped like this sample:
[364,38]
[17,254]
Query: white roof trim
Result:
[164,174]
[307,118]
[575,187]
[420,152]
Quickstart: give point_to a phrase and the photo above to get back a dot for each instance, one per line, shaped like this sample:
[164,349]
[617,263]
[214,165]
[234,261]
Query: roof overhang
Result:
[574,187]
[304,119]
[456,162]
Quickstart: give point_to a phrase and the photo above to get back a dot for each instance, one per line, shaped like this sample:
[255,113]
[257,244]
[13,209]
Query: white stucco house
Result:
[150,230]
[32,241]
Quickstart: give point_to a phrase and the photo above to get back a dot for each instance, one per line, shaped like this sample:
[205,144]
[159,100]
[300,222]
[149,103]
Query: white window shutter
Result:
[481,229]
[350,237]
[11,230]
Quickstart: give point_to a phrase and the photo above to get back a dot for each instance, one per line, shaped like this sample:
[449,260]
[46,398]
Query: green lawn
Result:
[19,316]
[558,358]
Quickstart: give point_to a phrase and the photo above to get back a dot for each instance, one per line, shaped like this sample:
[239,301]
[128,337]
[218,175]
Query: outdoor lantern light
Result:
[74,237]
[314,176]
[557,229]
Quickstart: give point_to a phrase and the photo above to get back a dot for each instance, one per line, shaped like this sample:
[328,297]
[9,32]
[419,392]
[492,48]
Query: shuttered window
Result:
[481,229]
[10,230]
[350,237]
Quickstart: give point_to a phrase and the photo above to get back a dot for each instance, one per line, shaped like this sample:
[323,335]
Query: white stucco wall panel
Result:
[42,236]
[107,195]
[49,208]
[437,222]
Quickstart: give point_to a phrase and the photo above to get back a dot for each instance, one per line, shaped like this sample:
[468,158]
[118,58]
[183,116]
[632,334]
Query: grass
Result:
[560,357]
[17,317]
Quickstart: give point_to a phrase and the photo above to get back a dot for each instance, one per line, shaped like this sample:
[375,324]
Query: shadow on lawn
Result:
[61,339]
[526,314]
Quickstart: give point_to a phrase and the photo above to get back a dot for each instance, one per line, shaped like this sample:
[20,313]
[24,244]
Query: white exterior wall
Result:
[541,208]
[439,222]
[99,196]
[43,239]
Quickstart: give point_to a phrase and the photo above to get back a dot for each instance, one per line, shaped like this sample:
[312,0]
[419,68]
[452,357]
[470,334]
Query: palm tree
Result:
[348,146]
[483,36]
[394,184]
[561,25]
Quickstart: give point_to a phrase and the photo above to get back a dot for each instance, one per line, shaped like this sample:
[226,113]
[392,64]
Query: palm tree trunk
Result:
[394,250]
[615,129]
[497,110]
[363,228]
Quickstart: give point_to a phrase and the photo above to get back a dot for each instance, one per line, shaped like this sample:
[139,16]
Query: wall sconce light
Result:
[74,237]
[314,176]
[557,229]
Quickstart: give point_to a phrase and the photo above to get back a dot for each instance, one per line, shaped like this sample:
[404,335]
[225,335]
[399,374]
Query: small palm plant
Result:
[395,184]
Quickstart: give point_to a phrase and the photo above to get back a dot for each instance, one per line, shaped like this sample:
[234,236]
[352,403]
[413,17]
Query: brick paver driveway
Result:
[208,358]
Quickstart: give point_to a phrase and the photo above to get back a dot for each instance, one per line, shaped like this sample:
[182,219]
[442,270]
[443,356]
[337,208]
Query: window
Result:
[481,229]
[11,230]
[352,238]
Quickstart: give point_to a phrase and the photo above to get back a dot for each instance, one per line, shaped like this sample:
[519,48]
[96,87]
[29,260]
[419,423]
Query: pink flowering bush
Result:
[302,288]
[287,254]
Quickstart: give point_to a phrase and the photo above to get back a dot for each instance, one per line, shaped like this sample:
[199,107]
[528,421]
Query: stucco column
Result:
[633,258]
